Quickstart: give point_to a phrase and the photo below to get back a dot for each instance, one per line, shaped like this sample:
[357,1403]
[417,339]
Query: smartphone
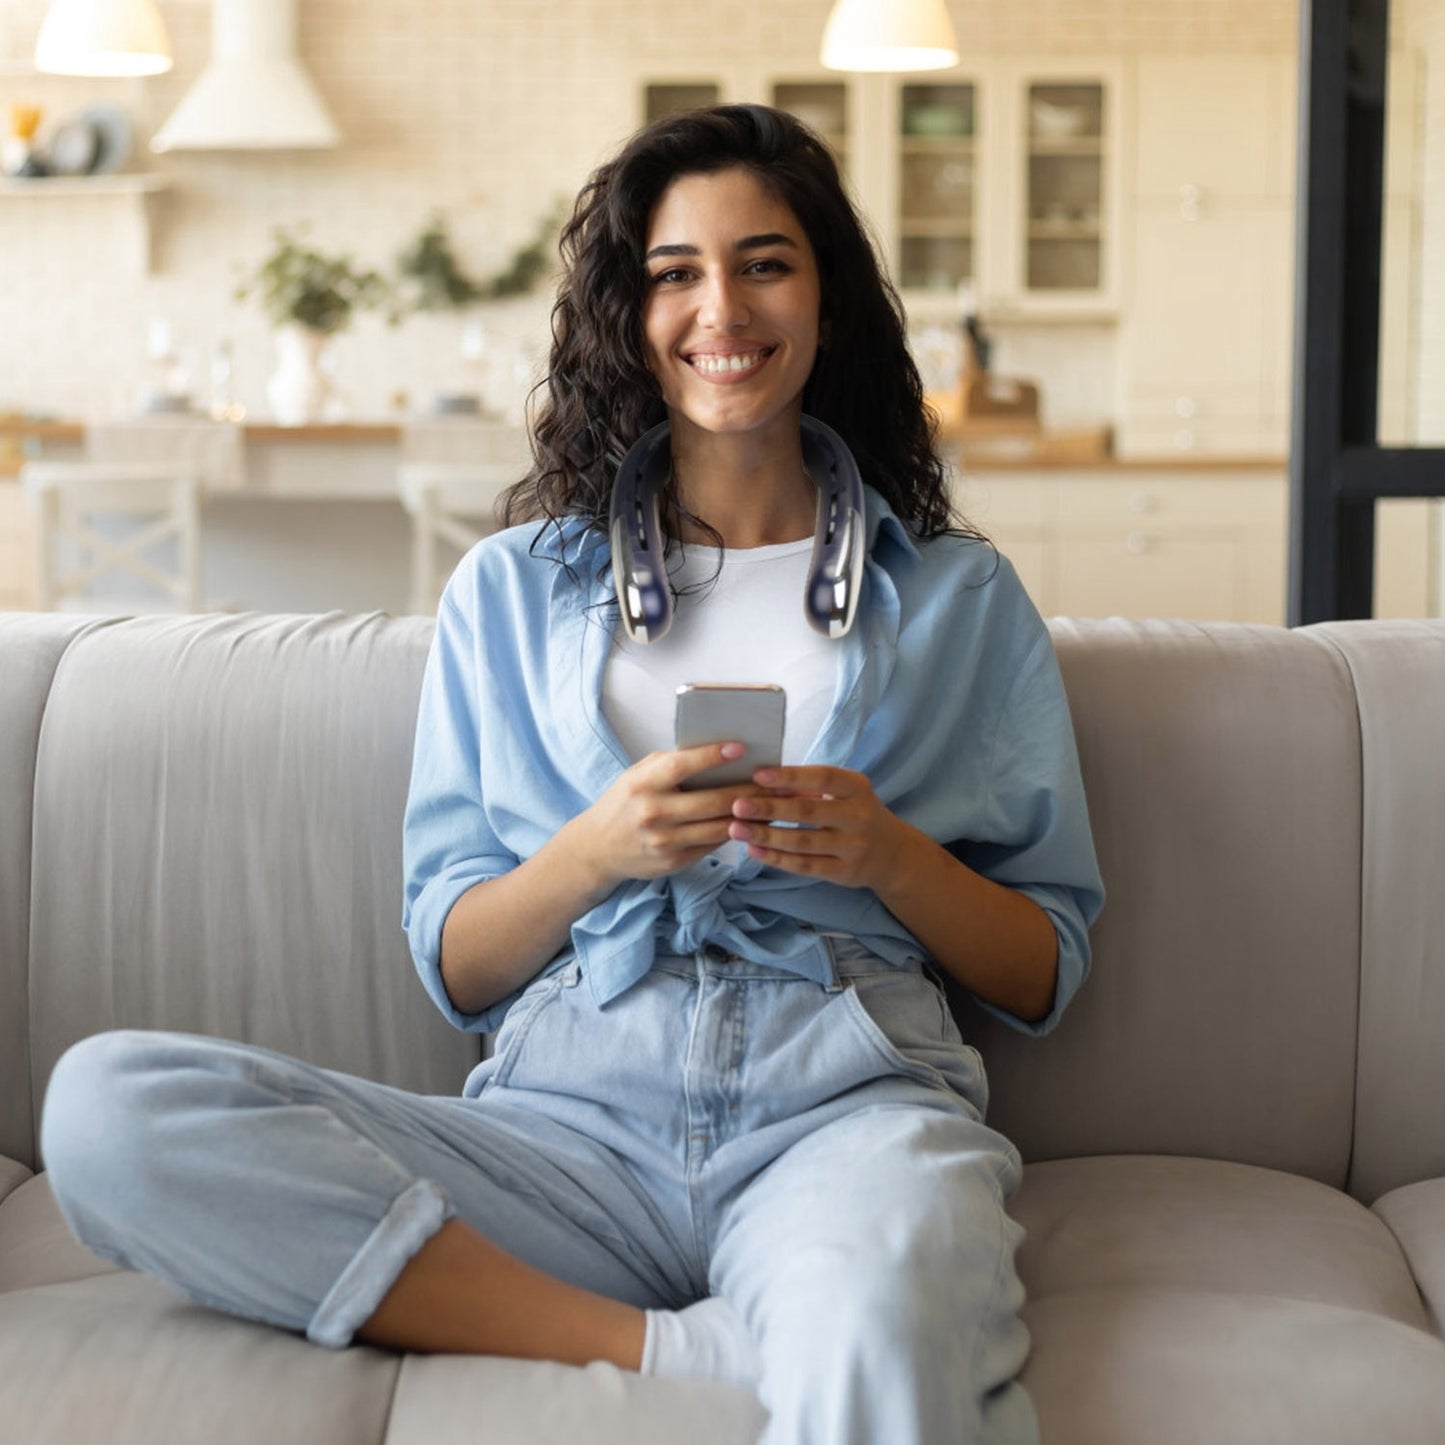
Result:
[751,713]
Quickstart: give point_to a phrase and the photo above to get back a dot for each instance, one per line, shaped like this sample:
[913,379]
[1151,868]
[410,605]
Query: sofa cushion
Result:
[1201,1225]
[1191,1367]
[1416,1216]
[12,1175]
[121,1359]
[1192,1301]
[1222,768]
[36,1245]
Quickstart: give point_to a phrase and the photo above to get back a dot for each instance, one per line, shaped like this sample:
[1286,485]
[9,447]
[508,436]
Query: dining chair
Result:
[102,519]
[451,477]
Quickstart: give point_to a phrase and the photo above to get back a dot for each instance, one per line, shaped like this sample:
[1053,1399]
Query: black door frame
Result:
[1337,469]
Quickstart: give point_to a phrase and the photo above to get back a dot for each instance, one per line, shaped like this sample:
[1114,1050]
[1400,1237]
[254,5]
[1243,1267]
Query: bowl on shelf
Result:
[937,120]
[1048,121]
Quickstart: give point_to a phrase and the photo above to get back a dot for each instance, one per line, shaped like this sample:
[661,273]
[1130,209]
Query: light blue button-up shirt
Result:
[948,698]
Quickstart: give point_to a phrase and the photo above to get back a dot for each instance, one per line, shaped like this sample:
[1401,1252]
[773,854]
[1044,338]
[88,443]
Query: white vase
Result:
[298,389]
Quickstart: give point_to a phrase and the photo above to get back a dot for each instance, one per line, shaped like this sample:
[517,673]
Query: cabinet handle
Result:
[1136,543]
[1184,439]
[1140,502]
[1184,406]
[1189,195]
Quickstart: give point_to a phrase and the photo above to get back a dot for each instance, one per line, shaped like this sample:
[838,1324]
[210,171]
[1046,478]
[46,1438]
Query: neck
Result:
[754,491]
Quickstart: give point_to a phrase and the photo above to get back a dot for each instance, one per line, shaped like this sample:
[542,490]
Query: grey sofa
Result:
[1235,1189]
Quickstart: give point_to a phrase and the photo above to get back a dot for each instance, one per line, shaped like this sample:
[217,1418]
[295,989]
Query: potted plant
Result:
[309,297]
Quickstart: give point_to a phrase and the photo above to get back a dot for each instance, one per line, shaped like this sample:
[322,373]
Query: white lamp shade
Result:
[103,37]
[254,93]
[889,35]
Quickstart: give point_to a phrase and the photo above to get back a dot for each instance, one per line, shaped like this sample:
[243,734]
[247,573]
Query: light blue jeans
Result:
[814,1154]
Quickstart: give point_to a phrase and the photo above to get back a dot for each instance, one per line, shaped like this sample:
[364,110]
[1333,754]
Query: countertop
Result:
[388,433]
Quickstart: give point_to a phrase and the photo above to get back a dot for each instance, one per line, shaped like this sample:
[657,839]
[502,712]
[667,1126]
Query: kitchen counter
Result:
[971,461]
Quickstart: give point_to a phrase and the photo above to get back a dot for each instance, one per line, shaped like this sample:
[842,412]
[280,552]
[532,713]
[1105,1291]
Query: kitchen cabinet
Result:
[937,165]
[1003,178]
[1186,540]
[1201,544]
[1205,334]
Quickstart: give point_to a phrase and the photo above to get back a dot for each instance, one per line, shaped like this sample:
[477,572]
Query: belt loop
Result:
[832,984]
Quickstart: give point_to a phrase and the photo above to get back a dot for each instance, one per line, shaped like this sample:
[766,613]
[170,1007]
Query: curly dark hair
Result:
[599,395]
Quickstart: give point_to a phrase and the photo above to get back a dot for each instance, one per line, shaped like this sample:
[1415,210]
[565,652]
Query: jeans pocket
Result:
[522,1019]
[904,1017]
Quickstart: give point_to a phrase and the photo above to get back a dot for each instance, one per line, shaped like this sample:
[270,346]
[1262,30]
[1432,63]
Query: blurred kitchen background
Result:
[1091,221]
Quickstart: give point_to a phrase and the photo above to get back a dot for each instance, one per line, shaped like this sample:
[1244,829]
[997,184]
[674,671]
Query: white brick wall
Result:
[486,109]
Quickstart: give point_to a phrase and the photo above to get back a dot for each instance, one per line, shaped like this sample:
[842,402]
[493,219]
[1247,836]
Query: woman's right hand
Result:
[646,825]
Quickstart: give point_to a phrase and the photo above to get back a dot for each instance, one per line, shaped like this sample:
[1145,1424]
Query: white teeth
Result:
[715,364]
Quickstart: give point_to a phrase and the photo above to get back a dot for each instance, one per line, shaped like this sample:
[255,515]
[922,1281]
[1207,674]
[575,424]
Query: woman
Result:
[728,1127]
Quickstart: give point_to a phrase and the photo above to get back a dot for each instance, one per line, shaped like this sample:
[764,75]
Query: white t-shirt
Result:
[747,627]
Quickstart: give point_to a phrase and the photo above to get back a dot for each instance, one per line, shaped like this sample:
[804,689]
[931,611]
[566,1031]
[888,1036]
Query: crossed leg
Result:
[337,1207]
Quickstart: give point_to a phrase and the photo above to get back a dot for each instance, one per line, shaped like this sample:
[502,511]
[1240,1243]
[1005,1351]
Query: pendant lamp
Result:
[254,93]
[103,37]
[889,35]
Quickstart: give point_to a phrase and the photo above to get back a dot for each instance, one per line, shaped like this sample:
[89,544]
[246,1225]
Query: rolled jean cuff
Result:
[414,1216]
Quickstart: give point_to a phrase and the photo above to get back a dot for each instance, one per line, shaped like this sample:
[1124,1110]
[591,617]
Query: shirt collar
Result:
[886,528]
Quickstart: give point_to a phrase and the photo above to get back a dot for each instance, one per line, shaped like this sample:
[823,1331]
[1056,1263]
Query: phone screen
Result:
[752,714]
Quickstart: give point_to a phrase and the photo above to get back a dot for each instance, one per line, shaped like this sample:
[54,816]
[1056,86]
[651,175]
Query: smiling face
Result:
[731,318]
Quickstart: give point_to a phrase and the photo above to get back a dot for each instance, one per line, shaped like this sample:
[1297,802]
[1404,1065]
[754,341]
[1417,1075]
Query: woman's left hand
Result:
[847,835]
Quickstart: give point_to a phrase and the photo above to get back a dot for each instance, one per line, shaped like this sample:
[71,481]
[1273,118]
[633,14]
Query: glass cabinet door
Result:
[822,105]
[1064,181]
[671,97]
[936,184]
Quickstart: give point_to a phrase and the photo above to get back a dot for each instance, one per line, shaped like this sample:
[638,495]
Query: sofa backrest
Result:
[217,843]
[216,822]
[1222,768]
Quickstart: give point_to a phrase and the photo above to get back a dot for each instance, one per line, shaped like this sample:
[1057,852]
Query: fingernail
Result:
[764,776]
[733,750]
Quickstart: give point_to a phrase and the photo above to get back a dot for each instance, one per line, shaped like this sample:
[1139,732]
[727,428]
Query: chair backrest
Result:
[99,520]
[212,451]
[452,475]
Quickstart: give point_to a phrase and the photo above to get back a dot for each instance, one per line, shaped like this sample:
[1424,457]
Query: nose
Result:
[721,306]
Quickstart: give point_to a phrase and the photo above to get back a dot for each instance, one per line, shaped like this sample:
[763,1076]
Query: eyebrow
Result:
[748,243]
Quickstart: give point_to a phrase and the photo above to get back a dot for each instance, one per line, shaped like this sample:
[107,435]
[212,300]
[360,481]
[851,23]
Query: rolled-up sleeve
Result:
[1039,840]
[448,844]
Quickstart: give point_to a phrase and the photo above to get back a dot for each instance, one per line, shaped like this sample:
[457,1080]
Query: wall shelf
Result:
[141,186]
[122,183]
